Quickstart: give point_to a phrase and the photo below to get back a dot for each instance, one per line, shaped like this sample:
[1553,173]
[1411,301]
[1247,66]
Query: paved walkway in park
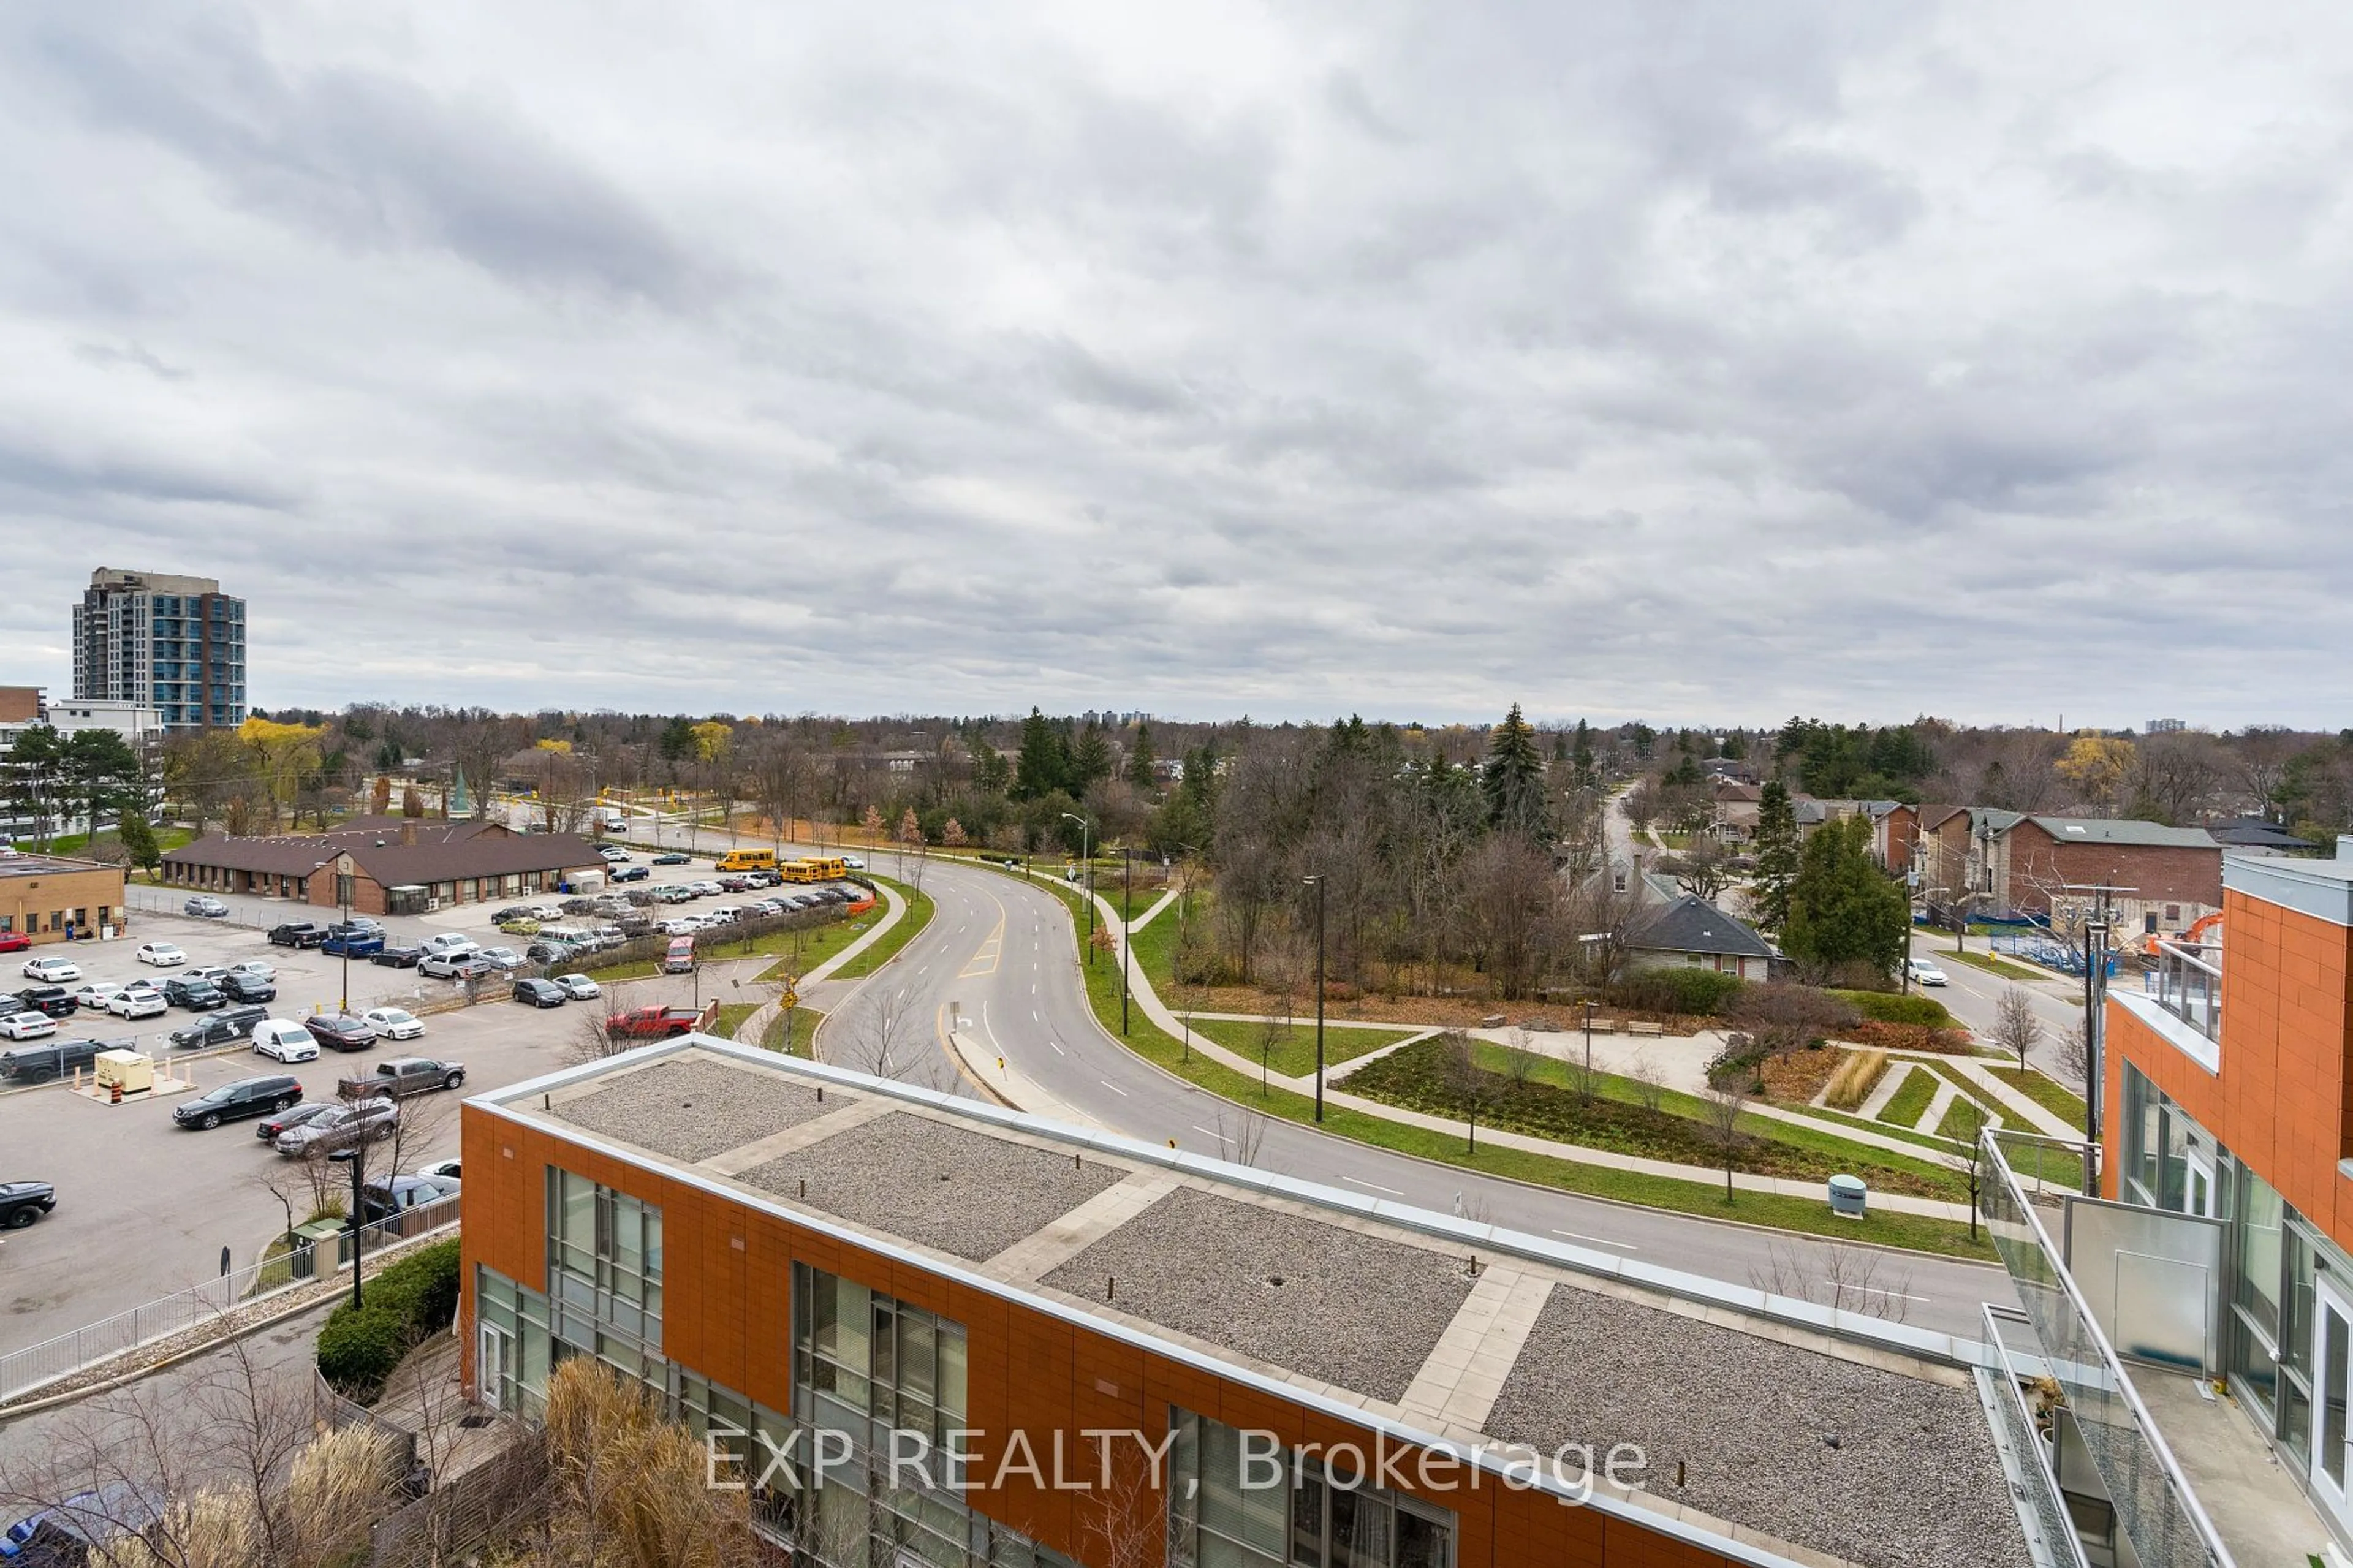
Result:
[1140,989]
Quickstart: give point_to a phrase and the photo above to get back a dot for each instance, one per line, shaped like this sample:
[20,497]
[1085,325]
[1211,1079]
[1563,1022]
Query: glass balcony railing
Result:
[2187,982]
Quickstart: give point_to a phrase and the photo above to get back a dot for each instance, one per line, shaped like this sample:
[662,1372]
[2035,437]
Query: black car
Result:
[539,993]
[234,1102]
[46,1060]
[403,957]
[55,1000]
[218,1028]
[629,874]
[239,986]
[22,1202]
[293,1116]
[512,912]
[671,857]
[548,952]
[340,1031]
[298,933]
[196,996]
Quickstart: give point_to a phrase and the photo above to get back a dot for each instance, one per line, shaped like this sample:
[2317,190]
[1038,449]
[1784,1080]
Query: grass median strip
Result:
[1917,1232]
[1996,966]
[1910,1101]
[886,946]
[2047,1092]
[731,1017]
[1288,1049]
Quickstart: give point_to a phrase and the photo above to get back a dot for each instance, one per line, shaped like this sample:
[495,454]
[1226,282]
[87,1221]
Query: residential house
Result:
[1687,930]
[1736,805]
[2258,835]
[2044,868]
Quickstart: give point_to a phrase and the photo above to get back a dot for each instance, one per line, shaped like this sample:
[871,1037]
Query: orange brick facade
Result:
[2283,1101]
[727,1296]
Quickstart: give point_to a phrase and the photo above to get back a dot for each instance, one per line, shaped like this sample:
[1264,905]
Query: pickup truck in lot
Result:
[354,944]
[651,1023]
[403,1077]
[298,933]
[398,956]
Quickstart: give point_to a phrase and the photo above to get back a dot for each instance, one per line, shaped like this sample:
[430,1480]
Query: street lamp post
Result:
[1126,927]
[1085,828]
[1316,881]
[1588,1039]
[356,1158]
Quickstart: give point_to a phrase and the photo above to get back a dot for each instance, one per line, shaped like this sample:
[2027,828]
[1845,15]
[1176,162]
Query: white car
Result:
[394,1024]
[853,862]
[1924,973]
[451,944]
[439,1169]
[28,1026]
[504,957]
[93,997]
[52,971]
[162,954]
[254,967]
[614,853]
[212,972]
[283,1040]
[579,987]
[680,925]
[545,912]
[138,1002]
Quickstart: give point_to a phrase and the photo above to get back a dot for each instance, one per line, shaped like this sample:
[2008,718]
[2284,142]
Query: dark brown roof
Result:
[443,851]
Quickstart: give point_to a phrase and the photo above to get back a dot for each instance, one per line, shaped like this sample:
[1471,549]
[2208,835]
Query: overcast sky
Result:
[1677,360]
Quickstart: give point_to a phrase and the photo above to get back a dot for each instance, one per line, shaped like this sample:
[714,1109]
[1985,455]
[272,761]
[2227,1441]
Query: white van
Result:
[283,1040]
[450,942]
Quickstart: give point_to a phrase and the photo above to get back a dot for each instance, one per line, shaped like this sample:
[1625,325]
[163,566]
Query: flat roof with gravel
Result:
[1876,1465]
[1343,1307]
[691,1107]
[970,1194]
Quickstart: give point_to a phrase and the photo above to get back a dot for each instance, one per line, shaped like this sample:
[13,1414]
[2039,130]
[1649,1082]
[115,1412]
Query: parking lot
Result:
[144,1207]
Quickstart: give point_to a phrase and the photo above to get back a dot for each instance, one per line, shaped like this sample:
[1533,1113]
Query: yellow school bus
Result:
[748,861]
[816,868]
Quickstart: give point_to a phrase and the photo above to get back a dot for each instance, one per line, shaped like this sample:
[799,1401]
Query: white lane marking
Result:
[1112,1087]
[1058,1049]
[1373,1185]
[1613,1246]
[1207,1133]
[1875,1290]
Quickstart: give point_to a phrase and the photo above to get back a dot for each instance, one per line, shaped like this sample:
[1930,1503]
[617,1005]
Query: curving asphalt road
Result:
[1005,956]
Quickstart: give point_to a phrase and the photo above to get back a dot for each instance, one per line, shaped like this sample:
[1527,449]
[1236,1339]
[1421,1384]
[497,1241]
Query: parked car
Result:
[394,1024]
[196,996]
[254,967]
[706,889]
[40,1064]
[212,972]
[55,1000]
[629,874]
[725,915]
[1925,973]
[298,934]
[356,923]
[396,955]
[293,1116]
[238,986]
[504,957]
[547,953]
[340,1031]
[445,965]
[38,1026]
[448,1168]
[235,1101]
[92,995]
[51,971]
[283,1040]
[402,1076]
[340,1127]
[352,944]
[381,1199]
[134,1002]
[651,1023]
[671,857]
[22,1202]
[613,853]
[736,884]
[579,987]
[853,862]
[218,1028]
[14,942]
[449,941]
[204,906]
[162,954]
[538,992]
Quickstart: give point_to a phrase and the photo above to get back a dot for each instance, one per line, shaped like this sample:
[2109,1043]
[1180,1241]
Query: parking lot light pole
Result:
[356,1158]
[1316,881]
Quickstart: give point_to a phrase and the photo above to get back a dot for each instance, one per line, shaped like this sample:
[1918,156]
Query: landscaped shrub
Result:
[1690,990]
[1856,1076]
[1912,1037]
[359,1347]
[1890,1007]
[1784,1018]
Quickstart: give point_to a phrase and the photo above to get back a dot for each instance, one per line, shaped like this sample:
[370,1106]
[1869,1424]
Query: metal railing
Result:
[2052,1528]
[2155,1505]
[236,1292]
[2186,983]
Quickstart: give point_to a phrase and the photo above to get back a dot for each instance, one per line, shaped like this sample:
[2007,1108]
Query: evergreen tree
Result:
[138,840]
[1777,857]
[1580,755]
[1513,779]
[1845,914]
[1090,760]
[1039,769]
[677,746]
[1143,769]
[990,772]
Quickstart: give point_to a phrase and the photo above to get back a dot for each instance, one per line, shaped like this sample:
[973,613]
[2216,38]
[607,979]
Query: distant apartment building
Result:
[2195,1319]
[155,641]
[944,1333]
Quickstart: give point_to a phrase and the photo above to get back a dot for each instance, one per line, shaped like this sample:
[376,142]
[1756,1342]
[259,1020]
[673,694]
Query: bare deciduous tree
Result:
[1721,1110]
[2016,1029]
[1849,1278]
[1474,1088]
[1242,1140]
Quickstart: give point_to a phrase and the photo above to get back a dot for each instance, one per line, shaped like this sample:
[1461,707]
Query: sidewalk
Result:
[1140,989]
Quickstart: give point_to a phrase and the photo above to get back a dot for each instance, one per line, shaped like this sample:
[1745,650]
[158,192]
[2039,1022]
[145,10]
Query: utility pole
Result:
[1087,860]
[1316,881]
[2099,922]
[1126,927]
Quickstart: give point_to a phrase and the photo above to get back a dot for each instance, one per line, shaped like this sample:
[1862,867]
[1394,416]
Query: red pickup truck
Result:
[651,1023]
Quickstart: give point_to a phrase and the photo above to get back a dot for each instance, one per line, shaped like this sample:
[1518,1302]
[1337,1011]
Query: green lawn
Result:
[799,952]
[1927,1141]
[1962,1122]
[2047,1092]
[802,1022]
[1885,1228]
[731,1017]
[886,947]
[1910,1101]
[2001,967]
[1293,1052]
[167,840]
[1954,1076]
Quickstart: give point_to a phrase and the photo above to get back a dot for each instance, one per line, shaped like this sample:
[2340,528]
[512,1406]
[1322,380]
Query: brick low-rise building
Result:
[2167,876]
[396,865]
[49,897]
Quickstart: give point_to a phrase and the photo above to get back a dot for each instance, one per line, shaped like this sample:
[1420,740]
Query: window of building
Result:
[1311,1517]
[604,1270]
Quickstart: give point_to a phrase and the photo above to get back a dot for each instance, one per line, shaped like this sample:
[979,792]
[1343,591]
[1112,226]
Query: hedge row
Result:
[1891,1007]
[1686,989]
[413,1298]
